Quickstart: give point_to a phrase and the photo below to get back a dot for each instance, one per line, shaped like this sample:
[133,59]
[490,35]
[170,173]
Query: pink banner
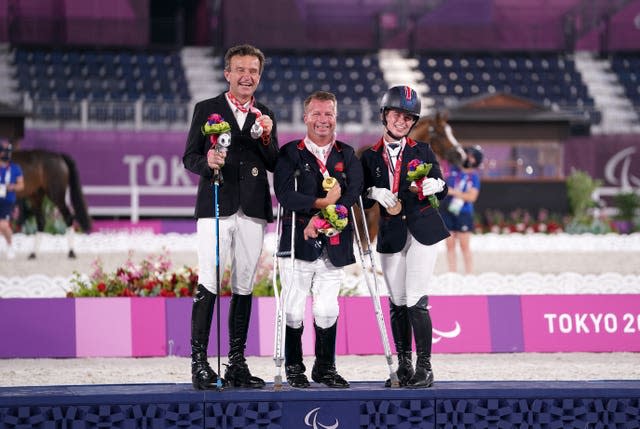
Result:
[460,324]
[585,323]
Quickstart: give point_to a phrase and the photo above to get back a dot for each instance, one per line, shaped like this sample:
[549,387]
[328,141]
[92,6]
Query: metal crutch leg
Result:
[373,290]
[278,355]
[281,296]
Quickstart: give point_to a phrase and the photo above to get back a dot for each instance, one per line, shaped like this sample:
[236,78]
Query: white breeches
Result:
[322,280]
[408,272]
[241,239]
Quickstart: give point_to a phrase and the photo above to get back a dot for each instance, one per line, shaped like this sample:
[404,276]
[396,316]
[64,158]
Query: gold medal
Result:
[328,183]
[395,209]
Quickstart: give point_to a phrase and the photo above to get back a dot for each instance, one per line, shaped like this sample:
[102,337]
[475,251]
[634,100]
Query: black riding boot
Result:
[402,337]
[202,376]
[237,373]
[422,331]
[324,368]
[293,365]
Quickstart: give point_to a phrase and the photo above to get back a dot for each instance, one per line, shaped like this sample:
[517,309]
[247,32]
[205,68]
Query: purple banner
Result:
[37,328]
[613,159]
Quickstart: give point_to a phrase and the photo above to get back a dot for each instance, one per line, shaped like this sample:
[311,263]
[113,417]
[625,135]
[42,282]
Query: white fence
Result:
[134,209]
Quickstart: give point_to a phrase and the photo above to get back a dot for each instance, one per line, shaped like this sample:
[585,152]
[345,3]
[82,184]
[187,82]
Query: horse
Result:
[438,134]
[50,174]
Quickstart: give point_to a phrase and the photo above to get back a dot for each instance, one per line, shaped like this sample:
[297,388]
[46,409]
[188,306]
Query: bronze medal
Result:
[395,209]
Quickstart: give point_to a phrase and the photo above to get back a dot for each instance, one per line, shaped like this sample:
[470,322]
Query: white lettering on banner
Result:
[155,163]
[311,420]
[596,318]
[157,171]
[179,174]
[587,323]
[132,161]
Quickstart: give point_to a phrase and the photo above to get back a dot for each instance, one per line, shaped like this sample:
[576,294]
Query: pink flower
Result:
[413,164]
[215,118]
[320,223]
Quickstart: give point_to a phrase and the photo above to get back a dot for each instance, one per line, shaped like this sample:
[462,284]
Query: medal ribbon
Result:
[394,169]
[266,139]
[241,107]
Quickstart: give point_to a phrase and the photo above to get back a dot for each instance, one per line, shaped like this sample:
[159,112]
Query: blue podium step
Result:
[460,404]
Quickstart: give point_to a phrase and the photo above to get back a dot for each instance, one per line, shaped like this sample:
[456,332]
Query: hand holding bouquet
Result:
[417,173]
[334,219]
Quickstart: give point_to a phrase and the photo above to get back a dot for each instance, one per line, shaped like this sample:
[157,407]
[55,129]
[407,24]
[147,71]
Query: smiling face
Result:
[320,118]
[399,123]
[243,76]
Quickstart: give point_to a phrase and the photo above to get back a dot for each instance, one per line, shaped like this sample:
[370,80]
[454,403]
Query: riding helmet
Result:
[403,98]
[478,155]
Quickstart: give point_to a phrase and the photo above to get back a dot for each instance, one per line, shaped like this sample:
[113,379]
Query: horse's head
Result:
[440,136]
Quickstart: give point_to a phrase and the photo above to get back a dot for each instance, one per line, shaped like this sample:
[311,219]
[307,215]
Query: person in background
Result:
[11,182]
[313,174]
[410,226]
[457,209]
[244,207]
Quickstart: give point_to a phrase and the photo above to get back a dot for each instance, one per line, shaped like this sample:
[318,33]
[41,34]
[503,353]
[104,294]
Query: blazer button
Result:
[404,217]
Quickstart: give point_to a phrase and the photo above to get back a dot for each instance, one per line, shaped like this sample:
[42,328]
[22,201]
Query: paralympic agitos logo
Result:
[619,169]
[311,420]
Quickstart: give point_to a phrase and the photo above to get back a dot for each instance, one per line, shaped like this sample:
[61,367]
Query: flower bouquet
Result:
[334,219]
[216,127]
[417,171]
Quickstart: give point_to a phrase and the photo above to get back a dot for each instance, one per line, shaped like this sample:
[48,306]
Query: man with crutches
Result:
[410,225]
[313,174]
[231,233]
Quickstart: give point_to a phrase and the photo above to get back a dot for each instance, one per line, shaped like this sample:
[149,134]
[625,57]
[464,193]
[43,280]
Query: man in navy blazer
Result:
[409,228]
[244,203]
[304,168]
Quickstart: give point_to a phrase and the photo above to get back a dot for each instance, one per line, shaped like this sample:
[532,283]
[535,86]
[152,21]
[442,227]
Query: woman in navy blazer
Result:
[409,228]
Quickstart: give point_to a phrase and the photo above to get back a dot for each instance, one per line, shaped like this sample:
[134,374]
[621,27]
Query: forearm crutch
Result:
[220,144]
[373,288]
[216,186]
[282,295]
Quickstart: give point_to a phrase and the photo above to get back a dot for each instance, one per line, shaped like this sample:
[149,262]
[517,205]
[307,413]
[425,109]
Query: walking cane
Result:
[281,296]
[223,142]
[373,289]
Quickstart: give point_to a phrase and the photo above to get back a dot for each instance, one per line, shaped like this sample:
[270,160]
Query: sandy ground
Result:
[447,367]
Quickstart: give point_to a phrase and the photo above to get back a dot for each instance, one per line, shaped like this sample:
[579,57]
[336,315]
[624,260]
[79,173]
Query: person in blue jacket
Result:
[457,209]
[11,182]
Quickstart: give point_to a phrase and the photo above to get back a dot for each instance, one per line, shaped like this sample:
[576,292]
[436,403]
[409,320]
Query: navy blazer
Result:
[417,216]
[244,173]
[295,162]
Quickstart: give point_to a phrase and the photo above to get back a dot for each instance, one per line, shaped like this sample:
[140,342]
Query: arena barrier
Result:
[124,327]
